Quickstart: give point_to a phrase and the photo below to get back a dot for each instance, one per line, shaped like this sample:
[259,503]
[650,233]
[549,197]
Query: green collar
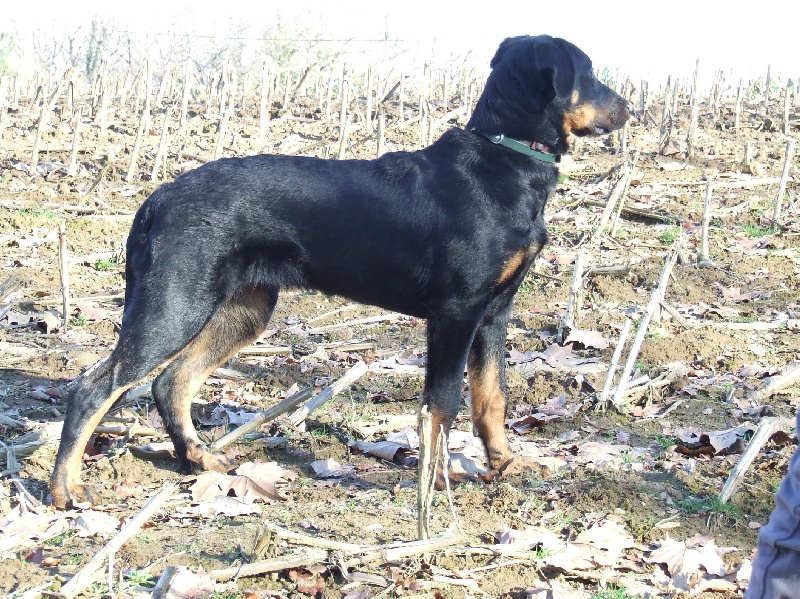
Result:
[523,147]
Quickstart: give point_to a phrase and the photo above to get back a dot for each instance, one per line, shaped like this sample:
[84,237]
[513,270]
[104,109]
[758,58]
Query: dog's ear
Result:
[546,90]
[504,46]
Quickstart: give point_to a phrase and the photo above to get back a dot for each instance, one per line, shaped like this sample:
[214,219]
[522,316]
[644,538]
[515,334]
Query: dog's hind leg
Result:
[87,401]
[236,323]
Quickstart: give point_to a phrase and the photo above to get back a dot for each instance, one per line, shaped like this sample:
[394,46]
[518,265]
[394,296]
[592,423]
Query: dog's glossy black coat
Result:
[446,233]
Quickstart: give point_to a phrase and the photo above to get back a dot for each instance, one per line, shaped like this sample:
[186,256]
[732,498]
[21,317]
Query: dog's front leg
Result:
[448,346]
[487,384]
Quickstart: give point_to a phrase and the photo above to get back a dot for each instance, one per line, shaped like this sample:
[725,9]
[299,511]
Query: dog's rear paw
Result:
[453,479]
[67,497]
[212,460]
[517,465]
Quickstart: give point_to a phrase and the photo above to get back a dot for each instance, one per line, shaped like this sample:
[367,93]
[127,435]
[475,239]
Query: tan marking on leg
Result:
[488,412]
[65,482]
[512,266]
[234,325]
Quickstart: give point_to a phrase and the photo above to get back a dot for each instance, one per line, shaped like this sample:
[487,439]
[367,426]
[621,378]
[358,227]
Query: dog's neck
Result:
[534,149]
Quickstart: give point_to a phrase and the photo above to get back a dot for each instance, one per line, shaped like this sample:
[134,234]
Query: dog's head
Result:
[543,89]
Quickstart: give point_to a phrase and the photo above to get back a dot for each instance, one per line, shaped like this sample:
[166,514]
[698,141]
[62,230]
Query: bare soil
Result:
[660,478]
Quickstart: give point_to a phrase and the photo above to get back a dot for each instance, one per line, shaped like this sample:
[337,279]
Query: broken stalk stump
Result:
[44,116]
[428,458]
[343,118]
[612,368]
[703,258]
[144,123]
[627,175]
[613,198]
[787,166]
[574,300]
[652,306]
[63,263]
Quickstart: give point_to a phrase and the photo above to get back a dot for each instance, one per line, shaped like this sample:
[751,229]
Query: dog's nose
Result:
[631,109]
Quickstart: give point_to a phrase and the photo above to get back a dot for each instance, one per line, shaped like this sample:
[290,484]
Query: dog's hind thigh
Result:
[236,323]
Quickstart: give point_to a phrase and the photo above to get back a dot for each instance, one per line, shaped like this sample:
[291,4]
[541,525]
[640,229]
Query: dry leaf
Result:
[688,561]
[384,450]
[186,584]
[609,536]
[330,468]
[92,310]
[227,506]
[91,522]
[252,482]
[588,339]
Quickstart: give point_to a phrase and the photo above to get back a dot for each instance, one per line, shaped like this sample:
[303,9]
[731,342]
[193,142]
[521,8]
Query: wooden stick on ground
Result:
[349,377]
[405,550]
[789,375]
[366,320]
[631,211]
[333,313]
[84,577]
[306,558]
[266,416]
[368,554]
[321,542]
[766,427]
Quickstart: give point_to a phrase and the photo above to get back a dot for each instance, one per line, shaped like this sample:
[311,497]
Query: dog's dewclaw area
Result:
[618,494]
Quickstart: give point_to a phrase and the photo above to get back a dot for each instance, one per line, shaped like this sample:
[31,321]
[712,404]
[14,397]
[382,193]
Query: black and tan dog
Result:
[446,233]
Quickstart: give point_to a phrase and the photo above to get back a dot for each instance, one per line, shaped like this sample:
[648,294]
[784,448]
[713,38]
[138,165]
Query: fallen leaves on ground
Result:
[252,482]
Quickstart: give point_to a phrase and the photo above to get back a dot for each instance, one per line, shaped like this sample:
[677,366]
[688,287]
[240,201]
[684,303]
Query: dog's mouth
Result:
[591,131]
[588,120]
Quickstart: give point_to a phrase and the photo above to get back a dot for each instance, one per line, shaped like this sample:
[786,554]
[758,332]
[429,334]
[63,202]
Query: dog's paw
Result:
[453,479]
[213,461]
[71,496]
[517,465]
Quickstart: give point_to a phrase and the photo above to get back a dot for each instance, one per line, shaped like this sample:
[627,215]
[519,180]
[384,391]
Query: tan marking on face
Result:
[575,96]
[511,266]
[580,118]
